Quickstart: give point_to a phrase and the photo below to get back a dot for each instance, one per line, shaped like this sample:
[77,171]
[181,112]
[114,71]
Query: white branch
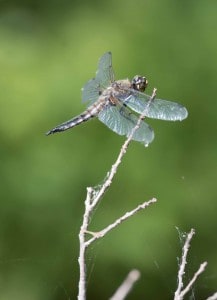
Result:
[81,258]
[213,297]
[183,264]
[192,281]
[126,286]
[94,195]
[179,294]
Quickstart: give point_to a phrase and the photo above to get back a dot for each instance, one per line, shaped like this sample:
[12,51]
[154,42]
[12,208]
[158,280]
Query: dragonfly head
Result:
[139,83]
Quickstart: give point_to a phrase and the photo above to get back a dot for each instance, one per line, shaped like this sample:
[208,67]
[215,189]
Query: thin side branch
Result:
[127,215]
[192,281]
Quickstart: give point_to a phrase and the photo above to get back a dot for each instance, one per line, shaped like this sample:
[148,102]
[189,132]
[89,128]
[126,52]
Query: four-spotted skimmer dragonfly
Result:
[116,102]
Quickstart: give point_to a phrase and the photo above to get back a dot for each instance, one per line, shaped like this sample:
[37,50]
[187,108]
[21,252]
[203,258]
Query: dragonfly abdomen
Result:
[91,112]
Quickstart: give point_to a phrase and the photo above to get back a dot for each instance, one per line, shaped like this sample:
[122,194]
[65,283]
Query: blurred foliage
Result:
[49,49]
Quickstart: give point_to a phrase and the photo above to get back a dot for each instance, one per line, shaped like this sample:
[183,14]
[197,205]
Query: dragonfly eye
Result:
[139,83]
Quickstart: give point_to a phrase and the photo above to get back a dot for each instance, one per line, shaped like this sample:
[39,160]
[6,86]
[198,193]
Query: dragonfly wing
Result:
[122,121]
[104,77]
[157,108]
[91,91]
[167,110]
[105,73]
[144,133]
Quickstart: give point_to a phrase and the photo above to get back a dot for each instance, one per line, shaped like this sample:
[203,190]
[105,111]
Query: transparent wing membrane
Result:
[91,91]
[104,77]
[158,108]
[105,73]
[122,121]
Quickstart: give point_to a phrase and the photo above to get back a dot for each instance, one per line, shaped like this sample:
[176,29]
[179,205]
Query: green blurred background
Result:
[48,50]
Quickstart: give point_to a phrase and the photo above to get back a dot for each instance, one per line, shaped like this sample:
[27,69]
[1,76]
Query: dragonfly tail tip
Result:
[49,132]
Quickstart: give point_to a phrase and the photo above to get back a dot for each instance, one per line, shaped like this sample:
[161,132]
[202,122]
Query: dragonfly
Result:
[118,104]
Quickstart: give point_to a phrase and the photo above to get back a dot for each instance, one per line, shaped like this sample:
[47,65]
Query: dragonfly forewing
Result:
[167,110]
[104,77]
[105,73]
[157,108]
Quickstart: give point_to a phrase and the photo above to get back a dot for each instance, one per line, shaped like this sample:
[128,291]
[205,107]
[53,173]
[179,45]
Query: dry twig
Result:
[94,195]
[180,293]
[126,286]
[213,297]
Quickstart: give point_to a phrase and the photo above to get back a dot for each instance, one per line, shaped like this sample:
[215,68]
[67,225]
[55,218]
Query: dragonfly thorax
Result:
[139,83]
